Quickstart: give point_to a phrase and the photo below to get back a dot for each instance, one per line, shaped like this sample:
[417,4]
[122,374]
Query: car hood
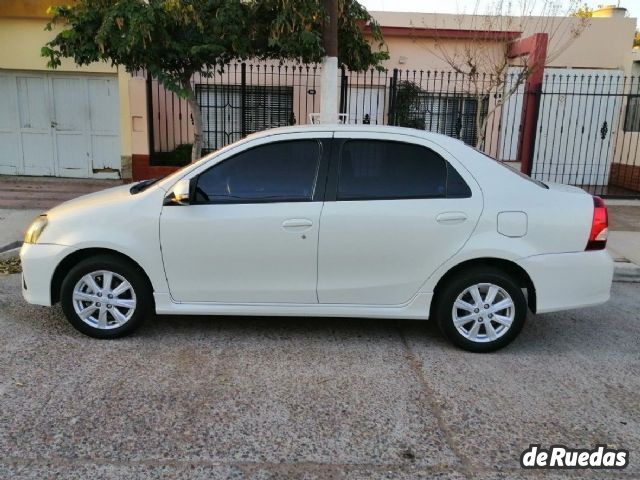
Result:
[94,200]
[90,219]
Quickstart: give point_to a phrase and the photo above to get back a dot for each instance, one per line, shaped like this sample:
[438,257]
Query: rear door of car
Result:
[396,208]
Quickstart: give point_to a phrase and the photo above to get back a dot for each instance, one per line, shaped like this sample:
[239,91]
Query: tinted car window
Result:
[456,186]
[282,171]
[375,169]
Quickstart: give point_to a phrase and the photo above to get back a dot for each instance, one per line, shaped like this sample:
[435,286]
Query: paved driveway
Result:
[311,398]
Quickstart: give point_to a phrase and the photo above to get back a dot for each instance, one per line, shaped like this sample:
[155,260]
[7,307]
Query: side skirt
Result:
[417,308]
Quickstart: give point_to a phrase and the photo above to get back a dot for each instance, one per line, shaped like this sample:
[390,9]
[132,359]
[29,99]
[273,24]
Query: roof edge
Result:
[454,33]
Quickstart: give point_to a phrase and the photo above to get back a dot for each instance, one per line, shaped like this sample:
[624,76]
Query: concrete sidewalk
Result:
[13,224]
[42,193]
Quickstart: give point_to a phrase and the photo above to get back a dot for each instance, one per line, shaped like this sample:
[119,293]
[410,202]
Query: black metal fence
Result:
[235,101]
[587,126]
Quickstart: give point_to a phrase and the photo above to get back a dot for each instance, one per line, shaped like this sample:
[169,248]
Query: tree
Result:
[485,64]
[407,106]
[583,11]
[175,39]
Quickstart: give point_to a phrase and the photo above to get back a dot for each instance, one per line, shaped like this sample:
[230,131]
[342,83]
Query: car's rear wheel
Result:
[105,297]
[481,310]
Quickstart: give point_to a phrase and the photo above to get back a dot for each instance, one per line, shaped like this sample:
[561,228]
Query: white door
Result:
[366,105]
[578,113]
[510,118]
[394,220]
[103,128]
[10,149]
[59,124]
[34,126]
[69,127]
[251,233]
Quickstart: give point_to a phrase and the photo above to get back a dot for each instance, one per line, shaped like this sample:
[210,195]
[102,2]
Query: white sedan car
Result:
[345,221]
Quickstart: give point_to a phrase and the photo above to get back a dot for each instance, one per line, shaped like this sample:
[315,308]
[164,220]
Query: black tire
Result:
[456,285]
[120,266]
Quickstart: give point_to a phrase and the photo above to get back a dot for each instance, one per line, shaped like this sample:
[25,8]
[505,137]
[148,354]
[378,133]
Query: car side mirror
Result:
[180,193]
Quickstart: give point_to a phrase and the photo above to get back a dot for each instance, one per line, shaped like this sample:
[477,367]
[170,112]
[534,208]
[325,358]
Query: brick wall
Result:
[141,169]
[625,176]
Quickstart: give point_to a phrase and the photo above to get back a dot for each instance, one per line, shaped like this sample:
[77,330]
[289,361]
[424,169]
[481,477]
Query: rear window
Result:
[379,170]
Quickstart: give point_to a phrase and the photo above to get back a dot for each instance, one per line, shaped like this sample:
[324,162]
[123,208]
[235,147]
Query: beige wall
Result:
[138,108]
[427,53]
[28,8]
[604,43]
[634,62]
[21,40]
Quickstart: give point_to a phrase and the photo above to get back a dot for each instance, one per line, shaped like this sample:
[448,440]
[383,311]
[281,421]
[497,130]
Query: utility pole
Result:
[329,76]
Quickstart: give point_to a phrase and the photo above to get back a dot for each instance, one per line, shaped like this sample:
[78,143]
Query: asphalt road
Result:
[207,397]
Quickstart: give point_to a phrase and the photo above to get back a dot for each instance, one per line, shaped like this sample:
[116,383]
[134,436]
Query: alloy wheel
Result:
[104,299]
[483,312]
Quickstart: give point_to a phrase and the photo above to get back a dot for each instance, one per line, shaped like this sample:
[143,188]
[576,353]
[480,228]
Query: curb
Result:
[7,254]
[626,272]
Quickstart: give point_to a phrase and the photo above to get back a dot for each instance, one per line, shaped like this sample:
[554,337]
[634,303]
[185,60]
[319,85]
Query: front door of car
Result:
[394,212]
[250,234]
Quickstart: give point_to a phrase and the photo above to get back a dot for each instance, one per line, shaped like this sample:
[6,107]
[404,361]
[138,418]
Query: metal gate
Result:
[587,129]
[235,101]
[581,136]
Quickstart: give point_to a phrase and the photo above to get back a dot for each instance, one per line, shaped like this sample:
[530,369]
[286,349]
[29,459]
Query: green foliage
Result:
[295,32]
[179,156]
[407,106]
[584,11]
[173,39]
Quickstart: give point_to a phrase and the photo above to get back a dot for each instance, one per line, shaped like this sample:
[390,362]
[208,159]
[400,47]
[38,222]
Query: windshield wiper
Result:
[143,185]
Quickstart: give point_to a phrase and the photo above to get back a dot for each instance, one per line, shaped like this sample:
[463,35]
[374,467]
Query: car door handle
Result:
[451,218]
[297,224]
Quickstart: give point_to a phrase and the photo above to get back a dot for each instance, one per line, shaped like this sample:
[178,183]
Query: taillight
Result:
[599,226]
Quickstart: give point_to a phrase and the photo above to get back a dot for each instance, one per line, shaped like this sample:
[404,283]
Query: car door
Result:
[394,212]
[250,234]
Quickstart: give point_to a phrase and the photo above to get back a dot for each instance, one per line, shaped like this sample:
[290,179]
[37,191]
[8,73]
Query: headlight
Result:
[35,229]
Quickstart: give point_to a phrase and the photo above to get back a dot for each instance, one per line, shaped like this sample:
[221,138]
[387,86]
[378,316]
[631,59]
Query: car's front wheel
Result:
[105,296]
[481,310]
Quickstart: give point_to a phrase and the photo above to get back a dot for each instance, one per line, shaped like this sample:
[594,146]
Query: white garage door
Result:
[60,125]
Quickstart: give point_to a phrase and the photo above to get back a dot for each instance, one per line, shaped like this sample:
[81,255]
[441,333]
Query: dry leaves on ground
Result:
[10,265]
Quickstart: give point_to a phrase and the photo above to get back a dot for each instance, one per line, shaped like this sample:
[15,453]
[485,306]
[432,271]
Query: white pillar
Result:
[329,90]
